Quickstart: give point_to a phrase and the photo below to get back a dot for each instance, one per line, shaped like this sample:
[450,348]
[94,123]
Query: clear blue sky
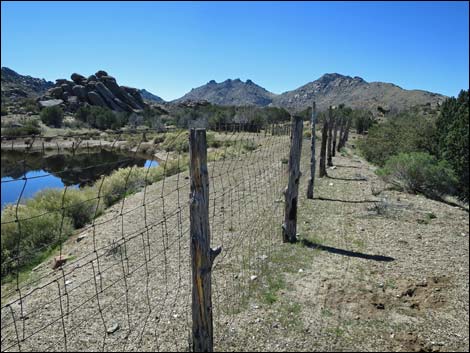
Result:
[169,48]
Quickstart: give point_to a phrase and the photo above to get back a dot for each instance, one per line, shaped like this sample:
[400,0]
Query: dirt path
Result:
[378,271]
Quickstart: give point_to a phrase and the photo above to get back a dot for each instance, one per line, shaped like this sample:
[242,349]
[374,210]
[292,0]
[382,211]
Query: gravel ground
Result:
[377,270]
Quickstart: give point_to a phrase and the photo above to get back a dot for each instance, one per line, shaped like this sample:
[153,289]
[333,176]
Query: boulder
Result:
[78,79]
[90,86]
[123,105]
[50,103]
[66,87]
[95,99]
[101,73]
[108,96]
[92,78]
[134,93]
[79,91]
[120,93]
[56,92]
[61,81]
[72,103]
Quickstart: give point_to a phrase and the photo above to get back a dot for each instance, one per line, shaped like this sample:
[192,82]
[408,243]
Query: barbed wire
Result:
[122,279]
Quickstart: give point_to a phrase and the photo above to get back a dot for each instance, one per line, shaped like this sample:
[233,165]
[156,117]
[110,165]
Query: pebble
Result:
[81,237]
[301,270]
[112,328]
[253,277]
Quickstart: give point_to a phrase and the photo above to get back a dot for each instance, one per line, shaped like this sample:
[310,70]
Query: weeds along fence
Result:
[121,263]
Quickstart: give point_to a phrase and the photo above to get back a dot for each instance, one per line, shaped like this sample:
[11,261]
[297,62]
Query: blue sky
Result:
[169,48]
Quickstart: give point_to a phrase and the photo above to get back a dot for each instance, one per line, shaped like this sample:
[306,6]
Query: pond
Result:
[25,174]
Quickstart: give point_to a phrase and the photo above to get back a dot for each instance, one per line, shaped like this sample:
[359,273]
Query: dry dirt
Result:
[376,269]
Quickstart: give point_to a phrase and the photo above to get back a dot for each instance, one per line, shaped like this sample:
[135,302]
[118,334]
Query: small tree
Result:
[52,116]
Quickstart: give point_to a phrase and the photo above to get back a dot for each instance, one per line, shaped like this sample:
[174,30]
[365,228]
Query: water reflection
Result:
[25,174]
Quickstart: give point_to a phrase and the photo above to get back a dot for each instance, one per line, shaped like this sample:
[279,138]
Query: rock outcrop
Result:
[99,89]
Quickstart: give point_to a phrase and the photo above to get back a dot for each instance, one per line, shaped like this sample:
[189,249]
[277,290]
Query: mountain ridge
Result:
[329,89]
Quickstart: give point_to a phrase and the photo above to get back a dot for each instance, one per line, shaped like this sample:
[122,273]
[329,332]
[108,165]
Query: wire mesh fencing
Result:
[103,261]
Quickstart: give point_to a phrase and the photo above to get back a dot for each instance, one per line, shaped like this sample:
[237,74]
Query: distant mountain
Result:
[15,86]
[330,89]
[147,96]
[334,89]
[230,92]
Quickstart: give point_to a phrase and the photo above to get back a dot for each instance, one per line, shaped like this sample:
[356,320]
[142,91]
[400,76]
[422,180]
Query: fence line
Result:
[122,279]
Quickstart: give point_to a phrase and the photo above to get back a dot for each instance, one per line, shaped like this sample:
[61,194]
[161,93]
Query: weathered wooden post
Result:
[345,136]
[346,132]
[324,137]
[330,137]
[202,256]
[341,132]
[291,194]
[335,133]
[311,181]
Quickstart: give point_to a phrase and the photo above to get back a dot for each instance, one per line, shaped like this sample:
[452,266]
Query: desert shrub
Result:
[419,172]
[30,105]
[249,145]
[159,138]
[120,183]
[176,141]
[363,120]
[79,205]
[407,132]
[52,116]
[29,127]
[101,118]
[36,232]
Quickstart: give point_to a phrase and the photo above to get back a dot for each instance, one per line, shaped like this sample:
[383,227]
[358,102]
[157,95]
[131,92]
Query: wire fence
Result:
[118,276]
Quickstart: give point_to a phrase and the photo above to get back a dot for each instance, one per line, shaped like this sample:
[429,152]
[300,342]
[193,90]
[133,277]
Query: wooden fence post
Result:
[311,181]
[331,122]
[324,137]
[289,228]
[202,256]
[341,132]
[344,138]
[335,134]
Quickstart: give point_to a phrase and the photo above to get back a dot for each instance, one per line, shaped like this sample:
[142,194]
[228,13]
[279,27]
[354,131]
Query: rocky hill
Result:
[99,89]
[330,89]
[334,89]
[230,92]
[16,86]
[150,97]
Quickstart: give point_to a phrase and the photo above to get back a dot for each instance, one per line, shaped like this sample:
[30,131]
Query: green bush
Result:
[363,120]
[453,139]
[419,172]
[406,132]
[36,233]
[176,141]
[52,116]
[101,118]
[29,127]
[79,205]
[30,105]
